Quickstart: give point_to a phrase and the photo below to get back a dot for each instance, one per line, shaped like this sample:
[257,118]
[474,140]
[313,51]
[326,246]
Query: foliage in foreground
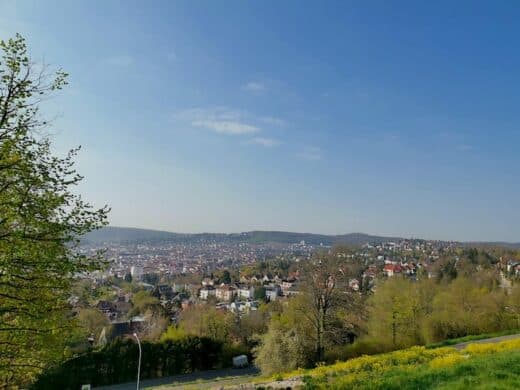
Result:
[41,218]
[477,366]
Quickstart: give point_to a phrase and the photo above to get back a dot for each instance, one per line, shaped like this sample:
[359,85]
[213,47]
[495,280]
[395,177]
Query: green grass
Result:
[446,343]
[498,371]
[494,371]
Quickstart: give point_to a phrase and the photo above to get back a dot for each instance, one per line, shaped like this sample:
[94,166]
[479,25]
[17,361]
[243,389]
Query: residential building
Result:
[392,269]
[206,292]
[225,292]
[246,292]
[273,292]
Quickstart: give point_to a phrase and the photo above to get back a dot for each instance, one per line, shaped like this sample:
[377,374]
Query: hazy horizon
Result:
[400,119]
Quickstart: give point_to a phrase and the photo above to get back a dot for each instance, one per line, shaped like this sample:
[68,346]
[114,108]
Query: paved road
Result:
[487,341]
[179,379]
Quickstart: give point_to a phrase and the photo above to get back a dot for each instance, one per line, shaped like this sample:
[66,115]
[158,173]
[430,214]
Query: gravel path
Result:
[487,341]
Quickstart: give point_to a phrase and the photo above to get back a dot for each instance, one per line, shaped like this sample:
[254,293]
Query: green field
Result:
[497,371]
[479,366]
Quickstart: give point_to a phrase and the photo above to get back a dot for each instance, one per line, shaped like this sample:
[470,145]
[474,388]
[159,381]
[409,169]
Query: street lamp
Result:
[139,364]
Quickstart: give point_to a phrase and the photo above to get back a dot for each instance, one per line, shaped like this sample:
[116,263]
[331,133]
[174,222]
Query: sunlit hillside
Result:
[477,366]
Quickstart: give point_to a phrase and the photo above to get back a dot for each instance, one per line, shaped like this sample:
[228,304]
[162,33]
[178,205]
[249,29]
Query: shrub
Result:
[117,362]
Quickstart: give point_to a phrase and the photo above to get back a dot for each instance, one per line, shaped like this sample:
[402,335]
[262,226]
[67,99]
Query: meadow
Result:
[481,366]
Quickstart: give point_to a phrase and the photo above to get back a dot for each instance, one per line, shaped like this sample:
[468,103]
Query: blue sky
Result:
[382,117]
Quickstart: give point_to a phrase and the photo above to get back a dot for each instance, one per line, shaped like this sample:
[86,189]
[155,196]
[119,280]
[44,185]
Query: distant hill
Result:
[123,234]
[488,244]
[313,239]
[113,234]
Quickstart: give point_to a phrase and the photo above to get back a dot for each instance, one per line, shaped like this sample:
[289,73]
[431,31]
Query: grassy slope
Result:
[497,371]
[484,366]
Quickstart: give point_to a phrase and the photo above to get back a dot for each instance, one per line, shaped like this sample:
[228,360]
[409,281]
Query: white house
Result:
[287,284]
[246,292]
[242,306]
[206,292]
[272,292]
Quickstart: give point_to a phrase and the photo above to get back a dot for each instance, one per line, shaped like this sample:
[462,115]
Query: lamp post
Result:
[139,364]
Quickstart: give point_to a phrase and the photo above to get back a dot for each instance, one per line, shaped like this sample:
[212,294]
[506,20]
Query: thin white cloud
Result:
[264,141]
[273,121]
[219,120]
[226,127]
[311,153]
[122,60]
[227,121]
[254,87]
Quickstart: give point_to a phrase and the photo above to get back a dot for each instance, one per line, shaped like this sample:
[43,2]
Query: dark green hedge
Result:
[117,363]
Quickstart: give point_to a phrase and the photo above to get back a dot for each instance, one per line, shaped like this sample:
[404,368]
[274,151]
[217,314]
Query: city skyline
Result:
[396,120]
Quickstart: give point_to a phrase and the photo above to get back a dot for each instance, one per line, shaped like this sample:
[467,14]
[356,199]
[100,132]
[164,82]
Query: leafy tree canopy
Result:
[40,221]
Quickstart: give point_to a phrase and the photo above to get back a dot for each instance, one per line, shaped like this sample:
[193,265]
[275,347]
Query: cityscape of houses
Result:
[181,275]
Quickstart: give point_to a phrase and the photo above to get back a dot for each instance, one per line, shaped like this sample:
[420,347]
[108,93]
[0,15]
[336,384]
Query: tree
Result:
[315,319]
[324,281]
[40,222]
[247,326]
[513,308]
[144,301]
[92,321]
[206,321]
[128,277]
[446,269]
[156,323]
[226,277]
[148,306]
[281,350]
[259,294]
[464,308]
[173,333]
[397,311]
